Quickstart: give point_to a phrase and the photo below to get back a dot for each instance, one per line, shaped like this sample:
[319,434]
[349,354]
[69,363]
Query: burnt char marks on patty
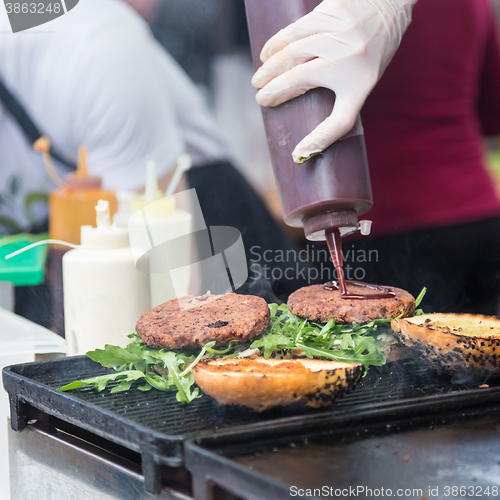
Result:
[191,322]
[317,304]
[218,324]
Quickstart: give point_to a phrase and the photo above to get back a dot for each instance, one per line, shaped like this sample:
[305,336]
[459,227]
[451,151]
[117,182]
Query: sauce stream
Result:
[335,246]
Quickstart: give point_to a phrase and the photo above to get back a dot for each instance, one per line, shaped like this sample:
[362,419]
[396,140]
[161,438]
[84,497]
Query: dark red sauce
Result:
[335,246]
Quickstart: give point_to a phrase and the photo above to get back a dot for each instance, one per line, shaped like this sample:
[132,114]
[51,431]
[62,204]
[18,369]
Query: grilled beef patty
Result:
[317,304]
[202,319]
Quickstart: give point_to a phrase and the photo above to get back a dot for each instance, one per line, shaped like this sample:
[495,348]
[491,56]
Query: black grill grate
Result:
[156,425]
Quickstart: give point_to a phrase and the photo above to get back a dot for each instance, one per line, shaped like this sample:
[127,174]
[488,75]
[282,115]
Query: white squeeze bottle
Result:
[104,293]
[164,222]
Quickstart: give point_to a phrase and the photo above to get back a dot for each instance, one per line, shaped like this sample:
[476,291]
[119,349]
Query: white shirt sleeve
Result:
[122,110]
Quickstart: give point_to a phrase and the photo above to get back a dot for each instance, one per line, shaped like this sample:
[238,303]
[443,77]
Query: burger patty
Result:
[317,304]
[202,319]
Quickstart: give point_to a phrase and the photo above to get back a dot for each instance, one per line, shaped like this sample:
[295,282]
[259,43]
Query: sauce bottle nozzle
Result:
[151,188]
[103,216]
[183,165]
[365,227]
[104,236]
[81,179]
[82,161]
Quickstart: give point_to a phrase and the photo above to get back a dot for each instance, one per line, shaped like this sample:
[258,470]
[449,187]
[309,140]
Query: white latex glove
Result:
[343,45]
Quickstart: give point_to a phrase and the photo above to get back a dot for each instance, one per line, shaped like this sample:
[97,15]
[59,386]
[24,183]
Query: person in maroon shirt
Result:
[436,216]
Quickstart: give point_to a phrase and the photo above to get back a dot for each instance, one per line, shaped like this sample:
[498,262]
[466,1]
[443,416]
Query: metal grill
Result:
[156,425]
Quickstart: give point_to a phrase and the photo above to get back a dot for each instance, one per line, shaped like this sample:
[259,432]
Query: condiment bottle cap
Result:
[104,236]
[365,227]
[151,193]
[81,179]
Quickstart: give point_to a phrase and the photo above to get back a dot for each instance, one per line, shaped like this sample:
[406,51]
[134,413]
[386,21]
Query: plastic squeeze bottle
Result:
[72,204]
[328,192]
[164,222]
[104,293]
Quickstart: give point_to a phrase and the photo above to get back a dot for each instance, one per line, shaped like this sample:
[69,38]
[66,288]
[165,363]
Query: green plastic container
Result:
[28,268]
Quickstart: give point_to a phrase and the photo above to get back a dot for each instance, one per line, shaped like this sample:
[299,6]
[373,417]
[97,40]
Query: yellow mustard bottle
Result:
[72,205]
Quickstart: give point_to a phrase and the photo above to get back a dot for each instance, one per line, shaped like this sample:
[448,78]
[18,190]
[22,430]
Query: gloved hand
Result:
[343,45]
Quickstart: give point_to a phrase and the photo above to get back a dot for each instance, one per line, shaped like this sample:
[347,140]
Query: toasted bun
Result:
[453,342]
[262,384]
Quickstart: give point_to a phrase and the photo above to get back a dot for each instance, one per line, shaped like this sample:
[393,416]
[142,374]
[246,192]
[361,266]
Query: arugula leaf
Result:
[202,353]
[303,159]
[418,300]
[113,356]
[420,297]
[173,374]
[100,383]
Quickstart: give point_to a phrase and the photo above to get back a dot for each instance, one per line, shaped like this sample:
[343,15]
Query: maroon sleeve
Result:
[489,91]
